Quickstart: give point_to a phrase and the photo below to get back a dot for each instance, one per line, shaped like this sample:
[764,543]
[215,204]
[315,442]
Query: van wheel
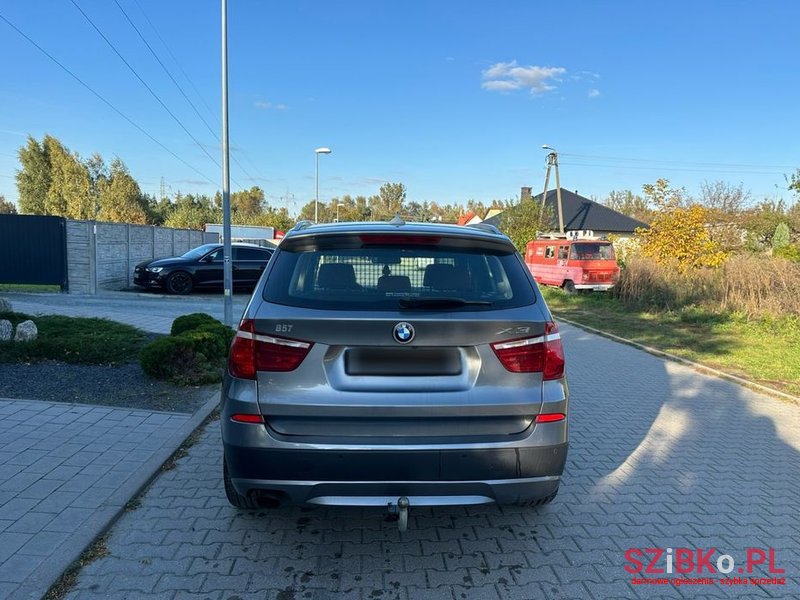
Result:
[234,497]
[569,287]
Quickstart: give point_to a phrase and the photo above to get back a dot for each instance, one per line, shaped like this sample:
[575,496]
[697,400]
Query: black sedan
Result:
[201,267]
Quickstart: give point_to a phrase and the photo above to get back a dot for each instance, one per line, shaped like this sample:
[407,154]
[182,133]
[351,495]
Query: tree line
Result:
[735,219]
[53,180]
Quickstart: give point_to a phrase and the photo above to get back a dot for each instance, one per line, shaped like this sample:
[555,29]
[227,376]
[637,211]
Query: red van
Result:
[573,264]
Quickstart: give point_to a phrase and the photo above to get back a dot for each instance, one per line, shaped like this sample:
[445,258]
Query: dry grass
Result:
[760,286]
[754,286]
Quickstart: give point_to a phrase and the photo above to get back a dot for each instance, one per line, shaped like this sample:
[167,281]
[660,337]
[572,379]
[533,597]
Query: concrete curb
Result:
[105,517]
[697,366]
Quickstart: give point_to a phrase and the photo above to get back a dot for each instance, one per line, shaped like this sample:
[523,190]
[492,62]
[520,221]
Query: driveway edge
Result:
[685,361]
[105,517]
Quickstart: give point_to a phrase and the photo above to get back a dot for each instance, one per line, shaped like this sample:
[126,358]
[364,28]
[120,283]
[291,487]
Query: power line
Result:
[678,162]
[175,60]
[102,99]
[144,83]
[177,85]
[685,169]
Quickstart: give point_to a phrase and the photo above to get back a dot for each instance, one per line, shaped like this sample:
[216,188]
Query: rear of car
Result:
[380,361]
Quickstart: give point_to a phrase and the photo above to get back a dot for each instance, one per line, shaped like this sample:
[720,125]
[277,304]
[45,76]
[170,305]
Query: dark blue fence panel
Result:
[33,250]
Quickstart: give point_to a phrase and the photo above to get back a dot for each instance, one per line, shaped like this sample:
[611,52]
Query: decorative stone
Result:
[5,305]
[26,332]
[5,330]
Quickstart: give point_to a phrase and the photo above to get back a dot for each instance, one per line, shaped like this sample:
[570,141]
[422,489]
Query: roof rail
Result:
[487,227]
[300,225]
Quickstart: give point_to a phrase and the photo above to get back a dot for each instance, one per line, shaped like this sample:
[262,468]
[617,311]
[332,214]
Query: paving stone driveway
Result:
[661,456]
[64,470]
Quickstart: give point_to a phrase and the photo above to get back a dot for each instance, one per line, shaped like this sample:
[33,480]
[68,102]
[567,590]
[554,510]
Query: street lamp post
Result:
[227,264]
[318,151]
[338,206]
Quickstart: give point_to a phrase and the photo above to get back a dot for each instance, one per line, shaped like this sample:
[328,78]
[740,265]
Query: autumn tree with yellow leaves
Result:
[678,235]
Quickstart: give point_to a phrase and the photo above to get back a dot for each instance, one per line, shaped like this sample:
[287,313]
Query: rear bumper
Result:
[419,493]
[369,477]
[597,287]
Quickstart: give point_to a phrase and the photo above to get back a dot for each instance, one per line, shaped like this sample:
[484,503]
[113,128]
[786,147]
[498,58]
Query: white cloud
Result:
[270,106]
[594,93]
[509,76]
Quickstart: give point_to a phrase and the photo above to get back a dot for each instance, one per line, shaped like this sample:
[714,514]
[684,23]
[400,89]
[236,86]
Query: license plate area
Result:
[420,362]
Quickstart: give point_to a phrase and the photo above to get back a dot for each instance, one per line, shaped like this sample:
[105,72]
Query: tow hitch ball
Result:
[399,512]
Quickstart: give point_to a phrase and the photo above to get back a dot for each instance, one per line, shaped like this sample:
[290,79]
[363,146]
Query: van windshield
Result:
[591,251]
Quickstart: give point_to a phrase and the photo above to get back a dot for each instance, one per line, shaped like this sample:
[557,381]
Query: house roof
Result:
[466,217]
[581,213]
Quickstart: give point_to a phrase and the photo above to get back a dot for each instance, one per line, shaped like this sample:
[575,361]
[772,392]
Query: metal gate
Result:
[33,250]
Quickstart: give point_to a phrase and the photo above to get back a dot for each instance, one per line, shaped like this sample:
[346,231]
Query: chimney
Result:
[525,194]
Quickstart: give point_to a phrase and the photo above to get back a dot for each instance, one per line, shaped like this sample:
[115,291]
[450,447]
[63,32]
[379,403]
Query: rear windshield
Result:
[588,251]
[388,278]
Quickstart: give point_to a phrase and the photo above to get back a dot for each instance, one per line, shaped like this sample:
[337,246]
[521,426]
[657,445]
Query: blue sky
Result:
[454,99]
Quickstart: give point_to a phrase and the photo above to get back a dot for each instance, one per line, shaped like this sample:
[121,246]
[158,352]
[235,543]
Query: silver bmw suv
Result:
[382,364]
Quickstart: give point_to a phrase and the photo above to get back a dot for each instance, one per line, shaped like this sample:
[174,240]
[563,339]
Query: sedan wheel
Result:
[179,282]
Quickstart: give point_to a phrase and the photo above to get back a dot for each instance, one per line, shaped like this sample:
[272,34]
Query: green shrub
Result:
[193,354]
[789,252]
[223,332]
[183,359]
[76,340]
[192,321]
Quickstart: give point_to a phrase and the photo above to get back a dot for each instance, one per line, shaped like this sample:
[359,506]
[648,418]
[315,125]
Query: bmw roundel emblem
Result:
[403,333]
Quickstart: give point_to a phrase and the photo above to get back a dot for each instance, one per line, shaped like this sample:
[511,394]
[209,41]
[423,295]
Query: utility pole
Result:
[227,265]
[552,161]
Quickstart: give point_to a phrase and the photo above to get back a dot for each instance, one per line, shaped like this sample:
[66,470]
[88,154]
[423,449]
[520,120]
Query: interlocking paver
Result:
[660,455]
[55,477]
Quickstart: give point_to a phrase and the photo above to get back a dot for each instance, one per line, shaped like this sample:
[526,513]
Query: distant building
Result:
[580,214]
[251,234]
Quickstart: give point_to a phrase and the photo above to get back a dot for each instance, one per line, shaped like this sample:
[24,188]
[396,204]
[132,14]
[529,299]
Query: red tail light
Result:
[252,352]
[247,418]
[550,417]
[543,354]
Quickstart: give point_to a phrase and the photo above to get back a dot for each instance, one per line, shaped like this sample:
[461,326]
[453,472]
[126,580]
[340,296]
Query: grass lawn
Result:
[765,351]
[28,288]
[74,340]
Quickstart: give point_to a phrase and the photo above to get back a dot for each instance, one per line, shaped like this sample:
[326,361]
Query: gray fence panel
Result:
[103,255]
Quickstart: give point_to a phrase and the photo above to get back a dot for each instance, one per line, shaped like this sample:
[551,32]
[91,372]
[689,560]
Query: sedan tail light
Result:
[543,354]
[252,352]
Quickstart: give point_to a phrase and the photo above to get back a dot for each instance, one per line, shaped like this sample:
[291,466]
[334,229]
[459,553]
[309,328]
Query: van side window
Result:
[563,252]
[550,252]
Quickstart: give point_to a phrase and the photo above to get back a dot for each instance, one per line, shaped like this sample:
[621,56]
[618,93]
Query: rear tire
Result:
[569,287]
[180,283]
[234,497]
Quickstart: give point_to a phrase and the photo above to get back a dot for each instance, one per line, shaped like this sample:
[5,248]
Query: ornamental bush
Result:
[194,354]
[192,321]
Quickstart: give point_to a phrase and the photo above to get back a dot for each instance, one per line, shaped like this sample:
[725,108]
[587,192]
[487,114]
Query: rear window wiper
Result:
[440,302]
